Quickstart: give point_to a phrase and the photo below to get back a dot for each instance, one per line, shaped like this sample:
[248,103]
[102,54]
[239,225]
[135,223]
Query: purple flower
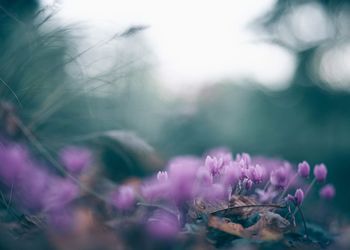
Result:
[204,177]
[162,176]
[13,161]
[124,198]
[214,164]
[163,225]
[244,173]
[327,192]
[298,196]
[32,186]
[75,159]
[182,179]
[244,159]
[280,177]
[320,172]
[256,173]
[223,153]
[60,194]
[304,169]
[213,193]
[232,174]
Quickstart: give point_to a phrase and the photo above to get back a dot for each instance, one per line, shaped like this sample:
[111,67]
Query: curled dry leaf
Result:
[269,227]
[226,226]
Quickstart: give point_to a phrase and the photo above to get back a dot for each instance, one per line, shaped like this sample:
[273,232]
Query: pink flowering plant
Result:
[218,198]
[222,193]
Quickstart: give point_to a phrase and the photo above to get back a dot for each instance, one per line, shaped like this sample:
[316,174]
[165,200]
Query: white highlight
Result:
[196,42]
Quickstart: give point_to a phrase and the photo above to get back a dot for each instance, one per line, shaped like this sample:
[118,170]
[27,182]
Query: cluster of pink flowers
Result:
[215,178]
[33,187]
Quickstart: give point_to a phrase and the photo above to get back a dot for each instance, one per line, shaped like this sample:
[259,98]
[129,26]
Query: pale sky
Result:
[195,42]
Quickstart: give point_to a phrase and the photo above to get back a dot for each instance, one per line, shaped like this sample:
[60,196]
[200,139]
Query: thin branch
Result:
[14,94]
[250,206]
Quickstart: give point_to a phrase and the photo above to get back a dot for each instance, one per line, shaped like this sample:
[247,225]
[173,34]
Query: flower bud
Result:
[298,197]
[327,192]
[320,172]
[304,169]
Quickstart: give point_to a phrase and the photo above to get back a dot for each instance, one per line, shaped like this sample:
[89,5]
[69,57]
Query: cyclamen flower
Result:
[214,193]
[163,225]
[124,198]
[33,187]
[204,177]
[13,161]
[280,177]
[162,176]
[182,180]
[60,194]
[155,190]
[214,164]
[256,173]
[244,159]
[75,159]
[232,174]
[320,172]
[327,192]
[298,196]
[304,169]
[223,153]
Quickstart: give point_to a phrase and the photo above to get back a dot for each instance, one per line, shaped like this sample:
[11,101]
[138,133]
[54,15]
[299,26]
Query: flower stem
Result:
[310,186]
[286,188]
[267,185]
[306,192]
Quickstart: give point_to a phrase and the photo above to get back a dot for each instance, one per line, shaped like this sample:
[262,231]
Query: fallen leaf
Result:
[226,226]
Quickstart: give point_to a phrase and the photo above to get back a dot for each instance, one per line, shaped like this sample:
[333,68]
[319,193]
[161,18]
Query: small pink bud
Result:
[320,172]
[298,197]
[327,192]
[304,169]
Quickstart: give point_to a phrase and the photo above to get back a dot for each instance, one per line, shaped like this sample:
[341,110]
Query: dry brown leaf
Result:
[227,226]
[241,206]
[200,207]
[270,226]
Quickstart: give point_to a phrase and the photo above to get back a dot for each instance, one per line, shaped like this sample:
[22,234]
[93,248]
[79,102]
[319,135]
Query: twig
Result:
[250,206]
[13,93]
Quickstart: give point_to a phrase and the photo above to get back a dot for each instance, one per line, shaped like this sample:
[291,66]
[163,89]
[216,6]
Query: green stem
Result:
[309,187]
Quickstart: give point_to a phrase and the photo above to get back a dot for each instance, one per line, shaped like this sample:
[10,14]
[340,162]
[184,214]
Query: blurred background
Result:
[265,77]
